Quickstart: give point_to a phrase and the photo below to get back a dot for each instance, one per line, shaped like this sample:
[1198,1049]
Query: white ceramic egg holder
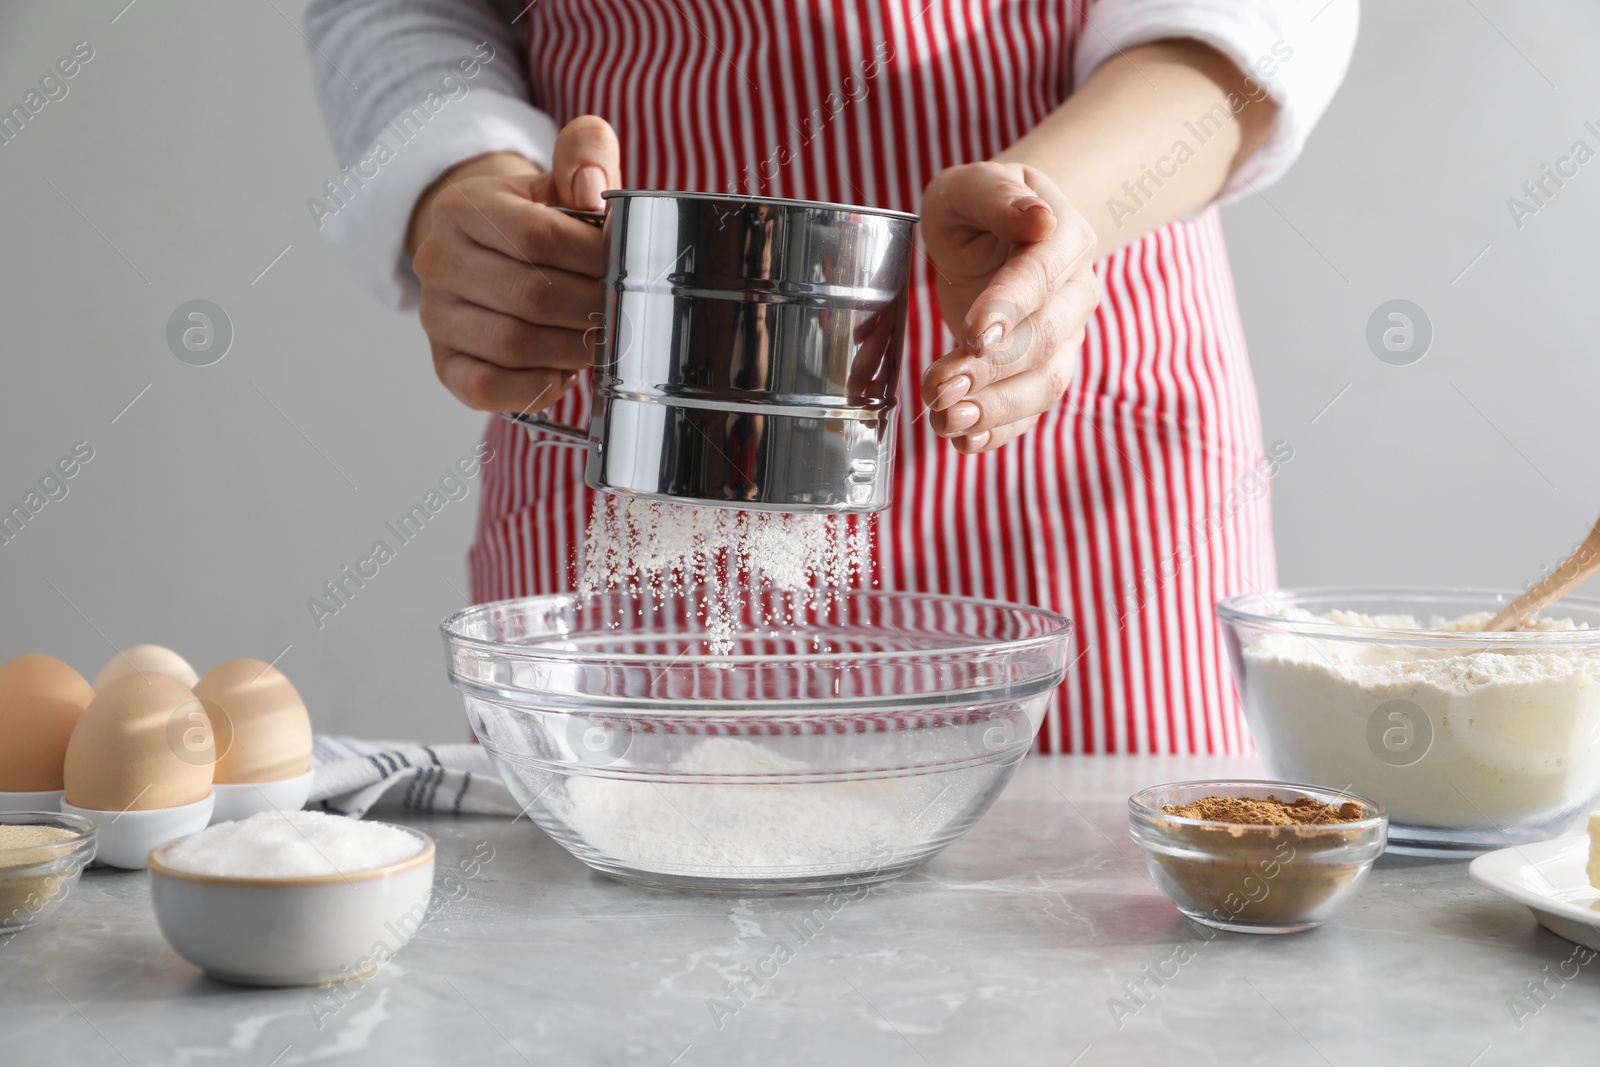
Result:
[252,798]
[126,837]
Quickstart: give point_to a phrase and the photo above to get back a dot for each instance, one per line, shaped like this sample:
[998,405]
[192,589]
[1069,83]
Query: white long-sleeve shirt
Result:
[410,88]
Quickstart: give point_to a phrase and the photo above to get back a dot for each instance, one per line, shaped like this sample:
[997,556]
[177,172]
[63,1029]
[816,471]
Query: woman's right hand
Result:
[511,289]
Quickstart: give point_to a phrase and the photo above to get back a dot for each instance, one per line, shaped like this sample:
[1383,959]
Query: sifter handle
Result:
[562,434]
[596,219]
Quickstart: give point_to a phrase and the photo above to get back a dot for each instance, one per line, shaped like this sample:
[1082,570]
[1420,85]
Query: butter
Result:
[1594,849]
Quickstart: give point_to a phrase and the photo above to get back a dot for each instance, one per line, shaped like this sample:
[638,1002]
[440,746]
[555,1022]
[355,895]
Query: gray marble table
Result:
[1008,948]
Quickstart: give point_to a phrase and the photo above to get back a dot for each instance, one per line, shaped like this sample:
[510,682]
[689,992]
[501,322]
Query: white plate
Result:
[1549,878]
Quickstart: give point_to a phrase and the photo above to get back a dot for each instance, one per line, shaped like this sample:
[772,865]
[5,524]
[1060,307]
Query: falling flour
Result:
[719,554]
[1503,737]
[720,559]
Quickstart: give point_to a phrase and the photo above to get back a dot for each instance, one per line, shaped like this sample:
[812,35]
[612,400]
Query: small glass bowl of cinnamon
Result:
[1257,857]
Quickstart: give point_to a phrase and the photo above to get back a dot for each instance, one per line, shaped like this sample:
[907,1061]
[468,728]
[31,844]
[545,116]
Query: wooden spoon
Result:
[1577,569]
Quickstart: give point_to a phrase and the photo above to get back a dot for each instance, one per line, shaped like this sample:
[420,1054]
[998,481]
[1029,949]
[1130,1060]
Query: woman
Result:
[1087,437]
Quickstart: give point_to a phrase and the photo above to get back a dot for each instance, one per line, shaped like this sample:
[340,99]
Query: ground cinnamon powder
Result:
[1306,811]
[1272,862]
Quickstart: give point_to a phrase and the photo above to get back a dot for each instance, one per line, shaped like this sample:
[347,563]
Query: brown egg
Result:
[145,659]
[263,731]
[144,742]
[41,699]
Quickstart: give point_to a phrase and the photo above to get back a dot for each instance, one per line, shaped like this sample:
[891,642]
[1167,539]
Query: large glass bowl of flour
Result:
[1471,740]
[840,738]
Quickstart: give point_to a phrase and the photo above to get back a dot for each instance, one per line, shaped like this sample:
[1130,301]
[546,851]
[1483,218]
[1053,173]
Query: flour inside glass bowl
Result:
[1504,736]
[744,828]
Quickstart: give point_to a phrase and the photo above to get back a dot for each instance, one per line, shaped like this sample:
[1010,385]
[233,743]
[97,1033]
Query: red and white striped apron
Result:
[1132,508]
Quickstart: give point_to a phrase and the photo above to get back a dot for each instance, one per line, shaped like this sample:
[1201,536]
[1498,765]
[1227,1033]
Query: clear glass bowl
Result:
[35,879]
[843,747]
[1255,879]
[1473,741]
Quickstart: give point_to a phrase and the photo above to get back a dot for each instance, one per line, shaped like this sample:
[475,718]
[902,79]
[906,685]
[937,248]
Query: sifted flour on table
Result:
[660,549]
[1514,735]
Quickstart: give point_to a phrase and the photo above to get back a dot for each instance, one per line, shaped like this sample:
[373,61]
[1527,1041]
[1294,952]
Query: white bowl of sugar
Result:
[292,898]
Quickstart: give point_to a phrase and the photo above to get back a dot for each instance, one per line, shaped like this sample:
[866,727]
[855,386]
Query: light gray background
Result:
[224,498]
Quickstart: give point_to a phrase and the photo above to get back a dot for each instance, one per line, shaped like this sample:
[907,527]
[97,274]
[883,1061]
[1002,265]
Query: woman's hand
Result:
[510,288]
[1015,266]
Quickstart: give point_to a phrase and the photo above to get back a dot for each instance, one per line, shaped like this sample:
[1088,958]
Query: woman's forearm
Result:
[1152,135]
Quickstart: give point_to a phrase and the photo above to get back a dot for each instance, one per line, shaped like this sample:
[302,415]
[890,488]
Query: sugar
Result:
[720,554]
[295,844]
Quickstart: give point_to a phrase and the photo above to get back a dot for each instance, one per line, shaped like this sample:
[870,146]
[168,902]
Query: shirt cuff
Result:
[365,224]
[1291,51]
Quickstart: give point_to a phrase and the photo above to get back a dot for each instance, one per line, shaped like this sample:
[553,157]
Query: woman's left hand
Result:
[1015,278]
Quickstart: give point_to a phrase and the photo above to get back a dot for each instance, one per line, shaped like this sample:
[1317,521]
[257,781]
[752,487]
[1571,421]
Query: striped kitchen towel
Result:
[354,775]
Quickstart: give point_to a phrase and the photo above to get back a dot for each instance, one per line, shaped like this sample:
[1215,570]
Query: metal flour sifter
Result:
[750,352]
